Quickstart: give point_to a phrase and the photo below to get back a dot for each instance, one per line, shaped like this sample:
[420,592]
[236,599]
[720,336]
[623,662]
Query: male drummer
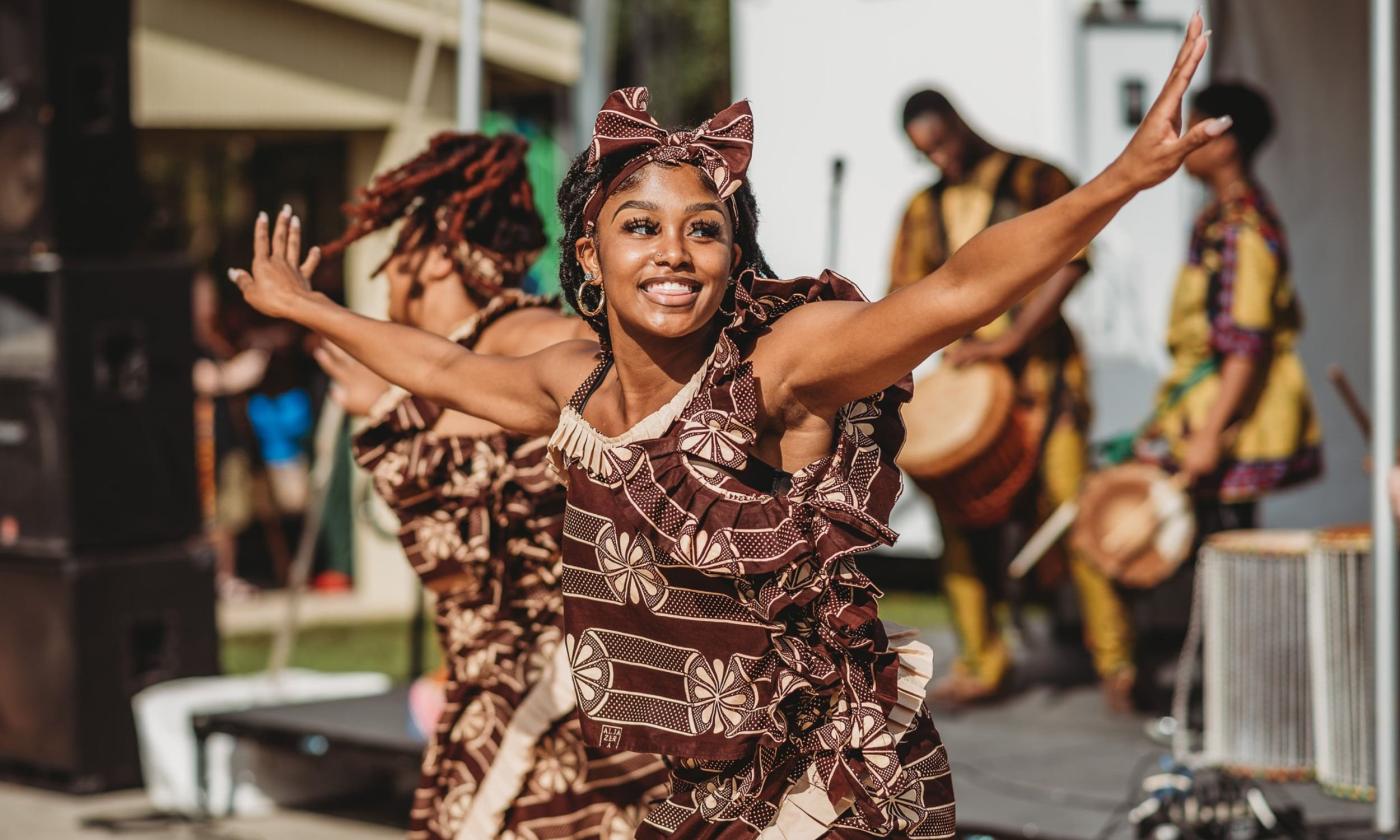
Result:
[980,185]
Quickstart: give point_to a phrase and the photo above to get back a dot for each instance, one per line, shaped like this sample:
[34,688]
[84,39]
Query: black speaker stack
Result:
[105,588]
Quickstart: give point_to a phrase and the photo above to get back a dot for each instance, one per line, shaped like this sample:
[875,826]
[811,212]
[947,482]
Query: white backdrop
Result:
[828,79]
[1311,58]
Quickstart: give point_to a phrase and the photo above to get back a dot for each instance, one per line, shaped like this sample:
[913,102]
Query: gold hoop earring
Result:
[589,279]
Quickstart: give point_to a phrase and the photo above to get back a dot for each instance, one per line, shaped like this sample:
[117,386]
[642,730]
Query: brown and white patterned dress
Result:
[480,522]
[716,614]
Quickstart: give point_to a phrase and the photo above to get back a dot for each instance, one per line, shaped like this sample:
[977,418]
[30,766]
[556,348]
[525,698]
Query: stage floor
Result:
[1054,763]
[1049,761]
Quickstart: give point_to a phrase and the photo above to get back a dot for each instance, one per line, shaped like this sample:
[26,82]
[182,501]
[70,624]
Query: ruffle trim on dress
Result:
[576,441]
[808,812]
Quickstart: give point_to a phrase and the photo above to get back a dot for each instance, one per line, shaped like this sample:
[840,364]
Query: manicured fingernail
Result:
[233,274]
[1207,33]
[1219,125]
[286,210]
[262,215]
[296,222]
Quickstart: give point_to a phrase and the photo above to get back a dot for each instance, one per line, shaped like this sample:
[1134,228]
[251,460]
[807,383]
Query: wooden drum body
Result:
[1258,692]
[1339,630]
[968,445]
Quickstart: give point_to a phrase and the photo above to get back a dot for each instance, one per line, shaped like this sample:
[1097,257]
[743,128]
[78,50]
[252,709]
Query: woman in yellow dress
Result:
[1236,414]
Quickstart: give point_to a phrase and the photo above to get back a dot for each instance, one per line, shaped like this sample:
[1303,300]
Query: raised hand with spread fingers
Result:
[280,275]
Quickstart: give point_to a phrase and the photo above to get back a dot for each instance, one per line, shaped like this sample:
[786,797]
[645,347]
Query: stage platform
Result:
[1053,763]
[1048,762]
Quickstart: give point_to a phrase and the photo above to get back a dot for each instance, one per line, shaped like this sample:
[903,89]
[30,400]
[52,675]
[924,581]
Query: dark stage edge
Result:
[379,724]
[1050,765]
[373,735]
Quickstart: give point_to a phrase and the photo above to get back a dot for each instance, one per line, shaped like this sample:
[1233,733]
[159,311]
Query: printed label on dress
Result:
[611,737]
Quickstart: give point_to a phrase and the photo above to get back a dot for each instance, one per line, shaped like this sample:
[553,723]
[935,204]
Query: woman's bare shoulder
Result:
[524,332]
[564,365]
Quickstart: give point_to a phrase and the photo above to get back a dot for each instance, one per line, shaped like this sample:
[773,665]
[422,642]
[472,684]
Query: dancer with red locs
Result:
[728,454]
[481,513]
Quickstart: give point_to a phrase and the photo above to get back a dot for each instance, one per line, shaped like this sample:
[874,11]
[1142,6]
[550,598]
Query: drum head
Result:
[1262,543]
[954,415]
[1161,516]
[1344,538]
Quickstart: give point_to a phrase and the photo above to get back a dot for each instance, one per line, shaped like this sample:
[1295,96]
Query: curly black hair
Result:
[927,102]
[1249,108]
[578,185]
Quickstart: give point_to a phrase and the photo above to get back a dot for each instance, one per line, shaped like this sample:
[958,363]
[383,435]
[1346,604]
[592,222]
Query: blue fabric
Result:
[280,423]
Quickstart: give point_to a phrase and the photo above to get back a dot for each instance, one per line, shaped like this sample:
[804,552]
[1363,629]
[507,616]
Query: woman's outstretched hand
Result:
[1160,146]
[279,276]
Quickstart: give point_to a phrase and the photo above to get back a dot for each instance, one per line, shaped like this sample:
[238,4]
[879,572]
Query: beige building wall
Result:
[383,71]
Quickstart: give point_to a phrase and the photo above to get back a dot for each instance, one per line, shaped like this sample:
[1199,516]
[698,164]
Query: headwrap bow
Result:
[720,146]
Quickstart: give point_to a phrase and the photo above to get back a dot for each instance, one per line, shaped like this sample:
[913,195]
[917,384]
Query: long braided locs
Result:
[468,194]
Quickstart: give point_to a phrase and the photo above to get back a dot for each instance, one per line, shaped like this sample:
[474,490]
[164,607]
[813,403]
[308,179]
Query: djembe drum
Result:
[1343,677]
[968,445]
[1258,694]
[1157,512]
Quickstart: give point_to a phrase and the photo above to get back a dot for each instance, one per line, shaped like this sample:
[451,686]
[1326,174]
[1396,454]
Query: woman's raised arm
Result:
[516,393]
[834,352]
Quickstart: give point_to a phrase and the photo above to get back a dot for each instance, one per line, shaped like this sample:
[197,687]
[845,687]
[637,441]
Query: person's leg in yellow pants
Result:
[983,657]
[1107,630]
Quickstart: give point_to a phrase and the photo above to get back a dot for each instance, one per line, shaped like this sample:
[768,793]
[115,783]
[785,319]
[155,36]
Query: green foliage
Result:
[546,171]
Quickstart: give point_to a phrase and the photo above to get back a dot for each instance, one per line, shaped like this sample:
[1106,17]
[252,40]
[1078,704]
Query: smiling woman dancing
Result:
[728,454]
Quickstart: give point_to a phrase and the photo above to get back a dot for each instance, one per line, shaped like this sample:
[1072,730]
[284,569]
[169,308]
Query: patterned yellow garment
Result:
[937,222]
[1234,296]
[941,219]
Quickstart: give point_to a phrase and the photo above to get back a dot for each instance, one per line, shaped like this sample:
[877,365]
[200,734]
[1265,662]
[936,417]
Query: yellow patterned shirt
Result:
[1234,296]
[942,218]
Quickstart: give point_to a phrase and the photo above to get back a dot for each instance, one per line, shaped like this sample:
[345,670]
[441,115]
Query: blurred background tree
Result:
[680,50]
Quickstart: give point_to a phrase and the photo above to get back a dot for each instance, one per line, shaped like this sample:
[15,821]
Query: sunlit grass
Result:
[379,646]
[383,646]
[914,609]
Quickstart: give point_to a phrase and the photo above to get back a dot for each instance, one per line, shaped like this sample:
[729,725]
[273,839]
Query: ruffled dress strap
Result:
[575,441]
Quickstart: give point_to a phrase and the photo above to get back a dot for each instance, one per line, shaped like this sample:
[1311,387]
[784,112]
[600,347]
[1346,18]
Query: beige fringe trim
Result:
[575,439]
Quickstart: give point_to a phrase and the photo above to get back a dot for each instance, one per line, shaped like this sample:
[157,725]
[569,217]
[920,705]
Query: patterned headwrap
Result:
[720,146]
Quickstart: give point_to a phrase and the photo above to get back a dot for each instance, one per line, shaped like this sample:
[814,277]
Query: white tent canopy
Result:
[323,64]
